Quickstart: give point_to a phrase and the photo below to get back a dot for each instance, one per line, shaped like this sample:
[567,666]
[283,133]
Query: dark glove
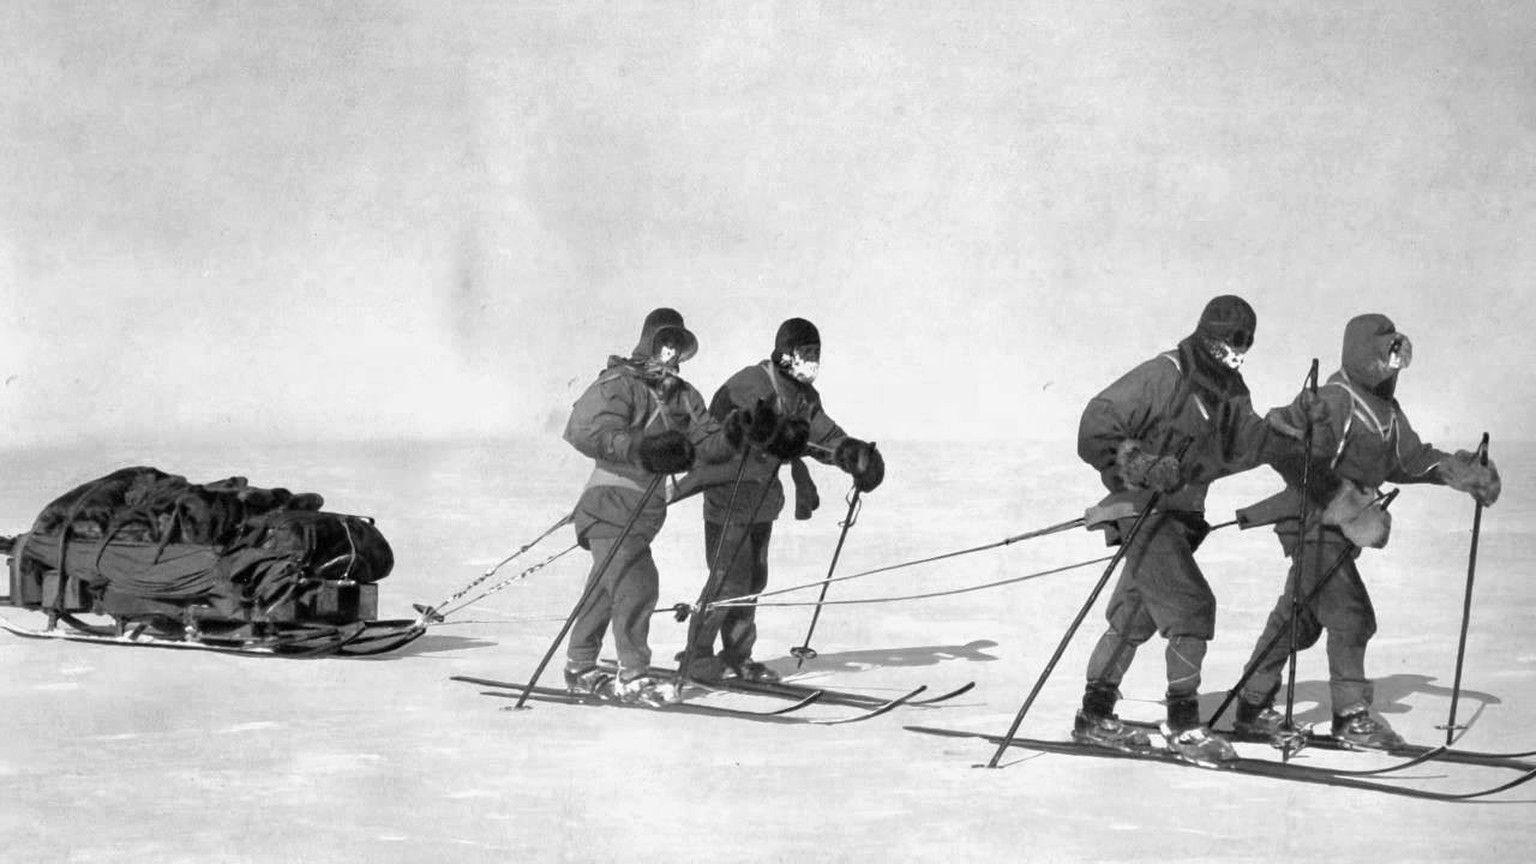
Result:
[873,474]
[665,452]
[790,439]
[1142,470]
[1464,473]
[861,460]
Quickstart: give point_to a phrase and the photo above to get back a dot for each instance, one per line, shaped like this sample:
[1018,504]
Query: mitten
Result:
[762,423]
[1354,509]
[790,440]
[1309,409]
[1142,470]
[849,454]
[861,460]
[807,499]
[1464,473]
[1313,406]
[872,474]
[1369,529]
[1280,420]
[735,427]
[665,452]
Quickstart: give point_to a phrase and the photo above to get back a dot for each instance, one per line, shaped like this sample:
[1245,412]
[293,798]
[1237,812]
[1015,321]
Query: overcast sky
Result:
[406,219]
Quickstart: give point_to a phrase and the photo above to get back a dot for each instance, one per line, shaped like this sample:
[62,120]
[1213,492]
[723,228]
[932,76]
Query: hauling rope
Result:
[1093,517]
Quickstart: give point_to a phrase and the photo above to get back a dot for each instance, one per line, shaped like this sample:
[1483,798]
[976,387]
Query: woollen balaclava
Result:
[1214,351]
[797,349]
[1228,319]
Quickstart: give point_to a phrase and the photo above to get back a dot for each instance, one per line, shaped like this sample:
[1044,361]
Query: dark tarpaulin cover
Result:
[146,534]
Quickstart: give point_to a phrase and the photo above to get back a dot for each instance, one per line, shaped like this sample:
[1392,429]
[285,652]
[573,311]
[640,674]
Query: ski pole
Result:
[804,651]
[715,577]
[586,594]
[1310,385]
[1258,657]
[1450,726]
[1061,647]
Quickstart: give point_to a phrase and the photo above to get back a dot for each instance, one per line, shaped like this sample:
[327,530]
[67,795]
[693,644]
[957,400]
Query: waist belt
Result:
[603,477]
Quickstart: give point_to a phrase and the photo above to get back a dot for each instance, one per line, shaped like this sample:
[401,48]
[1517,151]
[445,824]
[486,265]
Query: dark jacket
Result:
[626,402]
[1366,439]
[1174,398]
[760,479]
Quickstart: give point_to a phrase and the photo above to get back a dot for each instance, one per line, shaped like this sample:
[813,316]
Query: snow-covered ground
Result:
[111,754]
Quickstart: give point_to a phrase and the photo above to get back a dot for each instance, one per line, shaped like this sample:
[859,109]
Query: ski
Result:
[561,697]
[1415,753]
[791,690]
[1252,767]
[574,697]
[776,715]
[788,690]
[1439,753]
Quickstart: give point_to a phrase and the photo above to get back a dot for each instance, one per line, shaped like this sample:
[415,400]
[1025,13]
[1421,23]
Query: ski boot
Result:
[1106,730]
[1199,745]
[1264,723]
[704,668]
[1358,730]
[589,681]
[751,670]
[646,690]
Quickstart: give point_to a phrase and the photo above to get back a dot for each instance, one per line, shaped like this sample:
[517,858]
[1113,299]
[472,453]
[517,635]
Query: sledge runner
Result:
[637,420]
[784,384]
[1364,440]
[1191,398]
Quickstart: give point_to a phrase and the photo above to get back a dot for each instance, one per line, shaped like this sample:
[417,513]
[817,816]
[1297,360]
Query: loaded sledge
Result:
[224,566]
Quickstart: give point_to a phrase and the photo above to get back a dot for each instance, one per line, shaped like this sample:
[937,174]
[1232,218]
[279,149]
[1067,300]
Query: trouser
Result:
[1161,590]
[1342,607]
[624,595]
[742,570]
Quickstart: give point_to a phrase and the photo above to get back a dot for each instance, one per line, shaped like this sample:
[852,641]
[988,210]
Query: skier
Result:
[1190,399]
[637,420]
[1364,440]
[784,384]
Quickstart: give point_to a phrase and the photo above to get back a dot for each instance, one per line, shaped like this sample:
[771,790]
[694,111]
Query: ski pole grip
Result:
[1312,377]
[1482,451]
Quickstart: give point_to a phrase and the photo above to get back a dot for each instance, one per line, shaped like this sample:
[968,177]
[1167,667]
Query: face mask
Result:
[1400,353]
[803,364]
[1225,354]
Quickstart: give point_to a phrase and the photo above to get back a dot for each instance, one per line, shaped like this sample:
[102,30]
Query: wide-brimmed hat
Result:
[664,326]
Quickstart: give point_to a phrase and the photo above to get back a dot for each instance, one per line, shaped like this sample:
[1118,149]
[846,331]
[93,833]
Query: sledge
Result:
[141,557]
